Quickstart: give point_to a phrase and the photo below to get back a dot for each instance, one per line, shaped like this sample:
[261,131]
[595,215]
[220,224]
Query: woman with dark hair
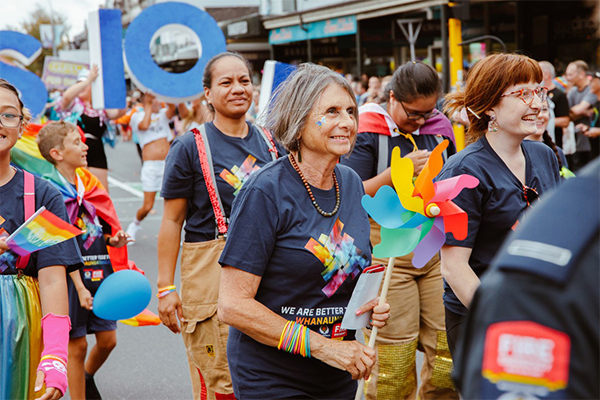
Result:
[542,135]
[410,121]
[34,306]
[76,105]
[299,239]
[204,171]
[503,99]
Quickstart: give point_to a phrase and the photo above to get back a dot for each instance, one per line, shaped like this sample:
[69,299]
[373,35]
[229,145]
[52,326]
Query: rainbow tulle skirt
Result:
[20,335]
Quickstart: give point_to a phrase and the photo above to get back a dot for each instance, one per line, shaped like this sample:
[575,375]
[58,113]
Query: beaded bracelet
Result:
[295,339]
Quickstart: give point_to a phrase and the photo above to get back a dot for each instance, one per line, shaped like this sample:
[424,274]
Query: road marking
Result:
[121,185]
[130,199]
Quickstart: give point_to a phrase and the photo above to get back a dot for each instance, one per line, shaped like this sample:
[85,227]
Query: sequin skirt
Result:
[20,335]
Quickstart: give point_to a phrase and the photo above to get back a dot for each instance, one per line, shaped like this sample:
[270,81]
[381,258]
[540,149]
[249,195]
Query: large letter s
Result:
[25,49]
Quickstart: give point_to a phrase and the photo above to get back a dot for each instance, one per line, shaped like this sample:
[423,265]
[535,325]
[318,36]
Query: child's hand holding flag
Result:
[42,230]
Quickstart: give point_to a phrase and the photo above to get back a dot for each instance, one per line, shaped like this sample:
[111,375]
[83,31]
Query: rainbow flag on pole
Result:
[43,229]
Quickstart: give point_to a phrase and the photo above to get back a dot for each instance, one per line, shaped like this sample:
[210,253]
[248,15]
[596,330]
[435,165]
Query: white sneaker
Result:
[132,230]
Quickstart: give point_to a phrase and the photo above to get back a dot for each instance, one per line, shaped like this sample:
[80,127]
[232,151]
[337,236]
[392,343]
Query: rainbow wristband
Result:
[51,357]
[295,339]
[164,289]
[160,295]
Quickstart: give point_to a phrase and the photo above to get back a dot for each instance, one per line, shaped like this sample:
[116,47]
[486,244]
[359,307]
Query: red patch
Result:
[514,227]
[526,352]
[338,332]
[97,275]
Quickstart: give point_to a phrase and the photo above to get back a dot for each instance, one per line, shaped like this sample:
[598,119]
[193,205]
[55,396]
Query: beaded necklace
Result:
[310,193]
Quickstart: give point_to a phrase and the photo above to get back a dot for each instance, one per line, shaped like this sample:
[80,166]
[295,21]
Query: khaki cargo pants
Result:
[204,336]
[416,323]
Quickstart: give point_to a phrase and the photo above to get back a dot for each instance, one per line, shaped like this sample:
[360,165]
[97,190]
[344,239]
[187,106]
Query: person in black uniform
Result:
[533,327]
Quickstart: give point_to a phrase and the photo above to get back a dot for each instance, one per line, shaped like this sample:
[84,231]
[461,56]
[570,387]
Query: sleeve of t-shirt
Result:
[65,253]
[561,106]
[247,248]
[363,158]
[106,228]
[136,118]
[178,175]
[591,98]
[470,201]
[163,114]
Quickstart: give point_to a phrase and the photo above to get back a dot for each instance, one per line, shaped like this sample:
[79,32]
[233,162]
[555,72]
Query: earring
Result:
[299,154]
[493,124]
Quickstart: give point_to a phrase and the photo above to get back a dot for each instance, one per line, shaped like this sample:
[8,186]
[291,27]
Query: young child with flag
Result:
[34,285]
[61,144]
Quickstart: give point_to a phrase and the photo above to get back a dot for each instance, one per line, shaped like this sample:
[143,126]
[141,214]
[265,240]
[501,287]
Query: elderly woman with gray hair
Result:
[298,241]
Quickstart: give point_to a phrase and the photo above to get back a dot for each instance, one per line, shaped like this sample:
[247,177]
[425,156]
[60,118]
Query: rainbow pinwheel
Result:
[415,218]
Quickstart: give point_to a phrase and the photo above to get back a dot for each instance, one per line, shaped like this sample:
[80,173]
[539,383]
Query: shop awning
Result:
[357,10]
[314,30]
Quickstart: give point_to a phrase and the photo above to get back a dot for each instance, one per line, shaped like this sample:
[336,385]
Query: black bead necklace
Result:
[310,193]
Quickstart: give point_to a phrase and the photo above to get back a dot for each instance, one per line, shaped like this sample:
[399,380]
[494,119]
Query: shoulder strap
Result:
[269,140]
[29,208]
[439,139]
[382,161]
[209,178]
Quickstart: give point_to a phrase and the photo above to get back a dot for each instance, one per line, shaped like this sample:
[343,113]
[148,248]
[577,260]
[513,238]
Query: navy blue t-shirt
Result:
[308,264]
[12,210]
[365,155]
[96,261]
[497,203]
[234,159]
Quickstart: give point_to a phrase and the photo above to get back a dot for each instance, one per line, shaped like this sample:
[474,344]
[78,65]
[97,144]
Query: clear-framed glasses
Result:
[10,120]
[418,116]
[526,94]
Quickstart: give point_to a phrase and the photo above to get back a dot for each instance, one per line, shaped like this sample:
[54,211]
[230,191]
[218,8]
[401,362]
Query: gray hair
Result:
[547,67]
[295,98]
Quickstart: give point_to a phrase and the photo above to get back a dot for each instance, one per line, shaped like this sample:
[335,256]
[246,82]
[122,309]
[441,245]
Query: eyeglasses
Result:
[529,194]
[9,120]
[526,94]
[418,116]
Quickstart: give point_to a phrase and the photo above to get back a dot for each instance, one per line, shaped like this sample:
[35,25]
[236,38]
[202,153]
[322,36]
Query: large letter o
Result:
[146,74]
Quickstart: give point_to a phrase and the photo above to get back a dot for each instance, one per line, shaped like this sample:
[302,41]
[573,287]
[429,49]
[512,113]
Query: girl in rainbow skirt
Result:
[34,310]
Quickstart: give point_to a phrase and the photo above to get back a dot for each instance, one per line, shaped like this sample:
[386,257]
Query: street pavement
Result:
[149,362]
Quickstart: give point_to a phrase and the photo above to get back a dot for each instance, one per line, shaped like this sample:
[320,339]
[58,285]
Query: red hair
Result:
[486,82]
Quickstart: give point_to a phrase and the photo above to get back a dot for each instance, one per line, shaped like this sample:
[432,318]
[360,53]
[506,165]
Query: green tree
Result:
[40,16]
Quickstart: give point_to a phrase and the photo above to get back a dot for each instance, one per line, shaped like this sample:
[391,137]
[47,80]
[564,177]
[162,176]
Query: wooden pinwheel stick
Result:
[382,300]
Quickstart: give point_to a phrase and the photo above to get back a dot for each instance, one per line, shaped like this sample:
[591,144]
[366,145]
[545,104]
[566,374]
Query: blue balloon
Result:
[123,295]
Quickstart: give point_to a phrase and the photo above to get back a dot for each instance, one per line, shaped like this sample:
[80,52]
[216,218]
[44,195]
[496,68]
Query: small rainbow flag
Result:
[43,229]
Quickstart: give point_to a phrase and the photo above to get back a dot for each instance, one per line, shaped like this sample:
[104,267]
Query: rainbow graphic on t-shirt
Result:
[91,231]
[239,175]
[339,255]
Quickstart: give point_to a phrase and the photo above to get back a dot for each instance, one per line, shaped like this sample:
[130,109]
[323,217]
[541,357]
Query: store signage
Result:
[60,74]
[237,28]
[314,30]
